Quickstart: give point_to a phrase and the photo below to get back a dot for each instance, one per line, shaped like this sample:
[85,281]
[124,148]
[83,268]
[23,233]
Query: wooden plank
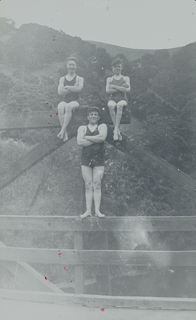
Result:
[29,120]
[48,256]
[75,223]
[49,118]
[138,258]
[38,119]
[98,301]
[32,157]
[126,115]
[79,272]
[100,257]
[104,277]
[29,275]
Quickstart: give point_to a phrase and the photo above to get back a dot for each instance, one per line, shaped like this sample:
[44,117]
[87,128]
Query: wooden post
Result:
[79,276]
[104,277]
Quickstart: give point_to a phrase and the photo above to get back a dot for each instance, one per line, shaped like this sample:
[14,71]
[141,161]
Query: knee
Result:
[121,104]
[97,185]
[74,104]
[69,108]
[111,105]
[88,185]
[61,106]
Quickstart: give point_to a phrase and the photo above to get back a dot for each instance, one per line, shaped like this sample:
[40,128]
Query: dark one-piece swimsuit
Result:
[93,155]
[71,96]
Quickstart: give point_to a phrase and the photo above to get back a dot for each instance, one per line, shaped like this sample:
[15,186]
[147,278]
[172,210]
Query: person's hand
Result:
[125,85]
[65,90]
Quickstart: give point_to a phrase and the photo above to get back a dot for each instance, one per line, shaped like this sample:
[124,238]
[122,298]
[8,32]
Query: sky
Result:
[137,24]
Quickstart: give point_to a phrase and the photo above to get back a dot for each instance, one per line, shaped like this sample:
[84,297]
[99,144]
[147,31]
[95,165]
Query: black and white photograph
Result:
[97,159]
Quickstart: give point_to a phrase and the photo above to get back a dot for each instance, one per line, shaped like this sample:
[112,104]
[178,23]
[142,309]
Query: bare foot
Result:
[99,214]
[115,136]
[86,214]
[61,134]
[119,135]
[65,137]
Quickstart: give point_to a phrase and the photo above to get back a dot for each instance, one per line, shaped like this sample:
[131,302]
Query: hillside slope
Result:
[129,53]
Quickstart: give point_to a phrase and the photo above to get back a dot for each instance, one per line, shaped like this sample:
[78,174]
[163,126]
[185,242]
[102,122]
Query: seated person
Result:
[91,138]
[69,87]
[117,86]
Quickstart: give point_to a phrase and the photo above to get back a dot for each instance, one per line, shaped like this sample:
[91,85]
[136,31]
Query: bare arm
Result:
[78,85]
[108,86]
[81,141]
[101,136]
[61,87]
[125,88]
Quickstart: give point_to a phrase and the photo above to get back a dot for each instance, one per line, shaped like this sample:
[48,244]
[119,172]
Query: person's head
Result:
[93,115]
[117,66]
[71,64]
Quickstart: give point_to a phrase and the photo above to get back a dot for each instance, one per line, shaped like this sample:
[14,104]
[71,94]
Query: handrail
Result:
[100,257]
[75,223]
[80,257]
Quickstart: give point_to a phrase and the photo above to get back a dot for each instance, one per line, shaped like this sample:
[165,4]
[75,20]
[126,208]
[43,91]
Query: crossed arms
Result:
[85,141]
[111,88]
[63,90]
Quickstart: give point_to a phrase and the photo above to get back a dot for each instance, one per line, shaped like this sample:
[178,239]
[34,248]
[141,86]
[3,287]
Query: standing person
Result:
[69,87]
[117,86]
[91,138]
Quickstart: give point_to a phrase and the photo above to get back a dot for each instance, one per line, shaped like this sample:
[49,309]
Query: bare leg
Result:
[111,106]
[120,106]
[98,173]
[66,119]
[61,112]
[87,173]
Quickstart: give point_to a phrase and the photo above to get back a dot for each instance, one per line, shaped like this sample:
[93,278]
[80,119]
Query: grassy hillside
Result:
[129,53]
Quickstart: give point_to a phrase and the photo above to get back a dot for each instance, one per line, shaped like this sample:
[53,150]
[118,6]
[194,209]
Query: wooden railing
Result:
[79,257]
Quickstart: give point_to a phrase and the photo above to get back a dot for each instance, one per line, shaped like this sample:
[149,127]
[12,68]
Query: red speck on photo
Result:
[57,114]
[102,309]
[46,278]
[50,115]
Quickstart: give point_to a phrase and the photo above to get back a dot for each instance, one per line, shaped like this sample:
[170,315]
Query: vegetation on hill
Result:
[130,54]
[162,100]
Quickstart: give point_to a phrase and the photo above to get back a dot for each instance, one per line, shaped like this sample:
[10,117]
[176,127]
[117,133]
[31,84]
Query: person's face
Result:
[93,117]
[117,69]
[71,66]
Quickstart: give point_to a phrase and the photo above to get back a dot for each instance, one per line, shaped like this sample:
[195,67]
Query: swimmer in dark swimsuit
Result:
[91,138]
[69,87]
[117,86]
